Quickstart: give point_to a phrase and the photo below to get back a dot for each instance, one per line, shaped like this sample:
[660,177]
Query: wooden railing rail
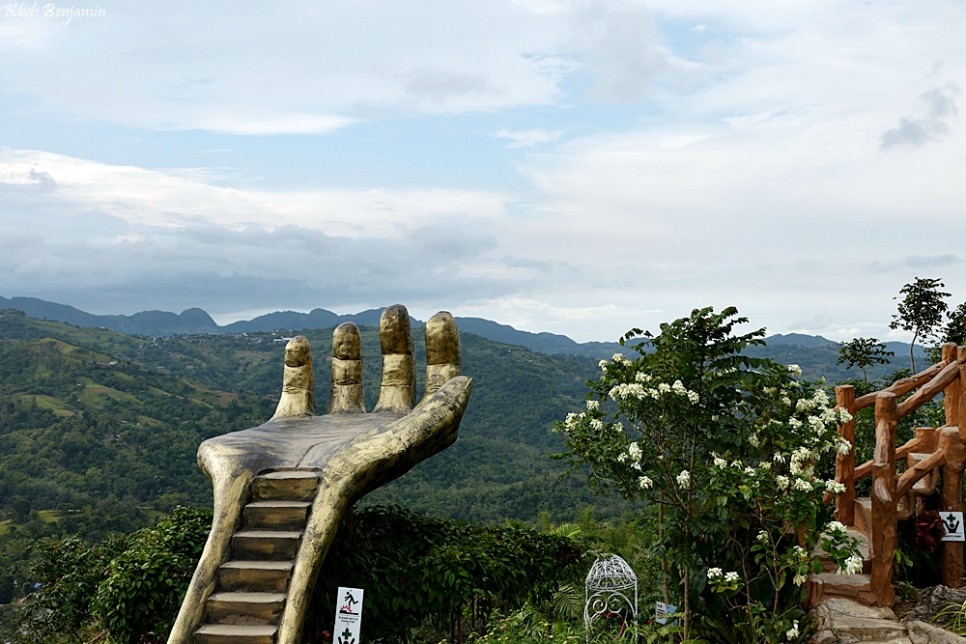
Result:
[900,387]
[930,390]
[945,445]
[918,443]
[913,474]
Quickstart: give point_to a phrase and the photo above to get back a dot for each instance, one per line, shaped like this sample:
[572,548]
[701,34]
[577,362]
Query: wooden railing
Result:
[945,445]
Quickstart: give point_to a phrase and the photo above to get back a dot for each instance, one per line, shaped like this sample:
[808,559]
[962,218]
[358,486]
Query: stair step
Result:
[864,629]
[286,485]
[828,565]
[265,544]
[277,515]
[245,608]
[829,584]
[851,621]
[235,634]
[263,576]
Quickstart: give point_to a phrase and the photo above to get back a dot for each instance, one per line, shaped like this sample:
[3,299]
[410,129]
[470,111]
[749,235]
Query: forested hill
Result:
[815,353]
[95,419]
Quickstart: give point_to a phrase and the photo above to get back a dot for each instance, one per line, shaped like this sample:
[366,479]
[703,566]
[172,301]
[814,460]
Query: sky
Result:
[574,166]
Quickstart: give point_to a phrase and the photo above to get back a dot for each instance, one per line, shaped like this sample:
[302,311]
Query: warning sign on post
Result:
[662,610]
[348,616]
[953,526]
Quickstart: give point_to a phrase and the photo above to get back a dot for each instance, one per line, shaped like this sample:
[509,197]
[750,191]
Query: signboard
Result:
[348,616]
[953,526]
[662,610]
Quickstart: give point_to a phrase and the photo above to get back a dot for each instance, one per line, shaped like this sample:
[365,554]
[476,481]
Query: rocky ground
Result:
[937,605]
[927,616]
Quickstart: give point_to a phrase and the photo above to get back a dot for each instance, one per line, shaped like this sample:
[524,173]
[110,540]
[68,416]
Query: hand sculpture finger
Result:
[347,391]
[443,357]
[398,389]
[298,393]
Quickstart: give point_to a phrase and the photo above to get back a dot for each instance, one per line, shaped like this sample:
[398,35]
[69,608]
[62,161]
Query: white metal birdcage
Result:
[610,591]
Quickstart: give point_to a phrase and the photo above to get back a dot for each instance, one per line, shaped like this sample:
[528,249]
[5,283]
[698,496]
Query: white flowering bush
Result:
[733,454]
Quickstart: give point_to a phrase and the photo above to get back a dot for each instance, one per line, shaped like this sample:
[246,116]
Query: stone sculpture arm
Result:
[352,451]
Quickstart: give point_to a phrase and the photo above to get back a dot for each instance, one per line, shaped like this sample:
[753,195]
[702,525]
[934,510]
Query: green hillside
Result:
[92,418]
[99,430]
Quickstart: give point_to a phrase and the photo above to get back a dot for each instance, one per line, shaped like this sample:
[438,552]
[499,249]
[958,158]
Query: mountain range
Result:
[198,321]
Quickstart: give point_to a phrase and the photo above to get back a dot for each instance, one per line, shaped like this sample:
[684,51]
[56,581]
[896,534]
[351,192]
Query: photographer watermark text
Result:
[61,13]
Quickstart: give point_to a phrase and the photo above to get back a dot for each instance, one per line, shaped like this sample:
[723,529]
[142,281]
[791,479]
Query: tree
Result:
[921,310]
[726,450]
[863,353]
[956,327]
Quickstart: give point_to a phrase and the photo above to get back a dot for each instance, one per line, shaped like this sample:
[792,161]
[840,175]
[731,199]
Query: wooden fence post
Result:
[952,501]
[951,393]
[884,539]
[961,400]
[845,463]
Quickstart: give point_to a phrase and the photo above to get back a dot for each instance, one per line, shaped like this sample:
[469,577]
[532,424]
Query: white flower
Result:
[852,566]
[596,424]
[778,457]
[618,428]
[782,482]
[802,485]
[684,479]
[572,420]
[622,457]
[842,446]
[753,439]
[714,573]
[836,527]
[634,450]
[664,388]
[794,369]
[603,365]
[763,536]
[750,471]
[799,579]
[792,633]
[719,462]
[731,576]
[679,388]
[794,423]
[834,487]
[593,405]
[645,482]
[693,397]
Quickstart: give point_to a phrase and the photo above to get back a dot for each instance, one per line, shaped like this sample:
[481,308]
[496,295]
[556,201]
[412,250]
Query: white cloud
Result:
[182,198]
[670,155]
[939,104]
[528,138]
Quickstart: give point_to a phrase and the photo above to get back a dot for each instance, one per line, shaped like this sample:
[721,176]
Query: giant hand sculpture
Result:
[280,489]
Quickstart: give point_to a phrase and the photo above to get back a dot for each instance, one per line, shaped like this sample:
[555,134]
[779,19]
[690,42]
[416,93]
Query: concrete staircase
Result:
[247,603]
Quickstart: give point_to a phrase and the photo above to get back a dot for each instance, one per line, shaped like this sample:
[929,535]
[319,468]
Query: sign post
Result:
[348,616]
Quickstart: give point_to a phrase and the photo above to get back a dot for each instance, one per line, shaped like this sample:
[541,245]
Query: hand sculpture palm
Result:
[350,451]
